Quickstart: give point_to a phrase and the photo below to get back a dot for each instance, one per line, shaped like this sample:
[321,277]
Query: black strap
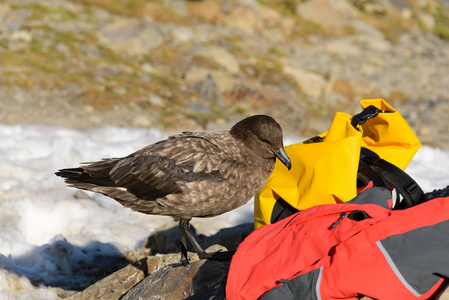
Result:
[281,210]
[366,173]
[393,176]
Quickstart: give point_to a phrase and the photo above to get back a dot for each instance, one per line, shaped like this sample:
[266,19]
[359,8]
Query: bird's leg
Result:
[185,234]
[183,226]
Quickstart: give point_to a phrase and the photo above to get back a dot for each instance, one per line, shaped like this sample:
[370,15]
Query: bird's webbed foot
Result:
[185,235]
[218,256]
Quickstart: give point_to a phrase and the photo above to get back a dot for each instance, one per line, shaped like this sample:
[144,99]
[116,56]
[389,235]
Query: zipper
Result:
[342,216]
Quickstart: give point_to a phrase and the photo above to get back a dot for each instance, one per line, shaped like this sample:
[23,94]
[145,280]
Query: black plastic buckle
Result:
[366,114]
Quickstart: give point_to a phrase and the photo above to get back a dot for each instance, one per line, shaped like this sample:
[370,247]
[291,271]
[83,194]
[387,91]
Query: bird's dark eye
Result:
[265,141]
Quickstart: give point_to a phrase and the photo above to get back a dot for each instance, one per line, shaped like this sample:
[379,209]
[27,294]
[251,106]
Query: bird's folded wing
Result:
[157,170]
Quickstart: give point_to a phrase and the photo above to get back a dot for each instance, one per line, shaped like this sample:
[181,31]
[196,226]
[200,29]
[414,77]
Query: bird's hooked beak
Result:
[283,157]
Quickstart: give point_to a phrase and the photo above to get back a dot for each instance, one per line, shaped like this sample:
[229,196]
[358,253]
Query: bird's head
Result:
[263,135]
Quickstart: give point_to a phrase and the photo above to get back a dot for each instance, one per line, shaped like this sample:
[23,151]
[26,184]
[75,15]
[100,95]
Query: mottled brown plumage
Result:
[192,174]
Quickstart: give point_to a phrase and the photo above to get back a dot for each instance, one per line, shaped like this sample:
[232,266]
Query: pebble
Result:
[81,195]
[221,56]
[310,83]
[132,37]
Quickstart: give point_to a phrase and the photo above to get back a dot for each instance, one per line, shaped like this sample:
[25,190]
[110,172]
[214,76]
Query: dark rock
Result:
[166,239]
[113,286]
[230,238]
[203,277]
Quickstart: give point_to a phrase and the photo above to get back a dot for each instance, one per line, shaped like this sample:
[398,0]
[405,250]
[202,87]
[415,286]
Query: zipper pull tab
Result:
[342,216]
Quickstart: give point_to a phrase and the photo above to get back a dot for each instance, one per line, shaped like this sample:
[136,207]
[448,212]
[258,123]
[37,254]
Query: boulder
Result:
[113,286]
[246,19]
[343,46]
[220,56]
[134,37]
[194,281]
[328,13]
[427,20]
[312,84]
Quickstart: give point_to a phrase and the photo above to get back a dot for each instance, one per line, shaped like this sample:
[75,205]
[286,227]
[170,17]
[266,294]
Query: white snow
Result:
[45,230]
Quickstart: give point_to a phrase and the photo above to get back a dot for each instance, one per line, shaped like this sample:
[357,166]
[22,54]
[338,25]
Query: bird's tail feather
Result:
[82,178]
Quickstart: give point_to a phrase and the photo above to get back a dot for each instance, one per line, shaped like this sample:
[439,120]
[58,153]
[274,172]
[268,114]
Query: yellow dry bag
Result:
[324,168]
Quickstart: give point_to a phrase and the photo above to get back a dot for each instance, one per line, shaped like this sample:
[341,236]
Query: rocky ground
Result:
[161,276]
[177,65]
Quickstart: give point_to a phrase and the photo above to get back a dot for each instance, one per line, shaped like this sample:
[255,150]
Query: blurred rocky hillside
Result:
[193,65]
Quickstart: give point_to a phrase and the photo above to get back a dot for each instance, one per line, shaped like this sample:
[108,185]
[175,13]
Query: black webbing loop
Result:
[392,176]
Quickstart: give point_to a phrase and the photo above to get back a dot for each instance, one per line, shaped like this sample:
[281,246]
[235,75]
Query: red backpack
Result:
[346,251]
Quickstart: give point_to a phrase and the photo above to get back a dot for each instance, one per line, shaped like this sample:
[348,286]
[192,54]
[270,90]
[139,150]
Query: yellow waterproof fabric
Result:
[324,168]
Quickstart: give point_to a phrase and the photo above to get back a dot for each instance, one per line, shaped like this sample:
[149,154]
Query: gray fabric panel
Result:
[396,270]
[375,195]
[304,287]
[421,255]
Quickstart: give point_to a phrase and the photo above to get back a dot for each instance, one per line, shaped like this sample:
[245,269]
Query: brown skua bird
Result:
[192,174]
